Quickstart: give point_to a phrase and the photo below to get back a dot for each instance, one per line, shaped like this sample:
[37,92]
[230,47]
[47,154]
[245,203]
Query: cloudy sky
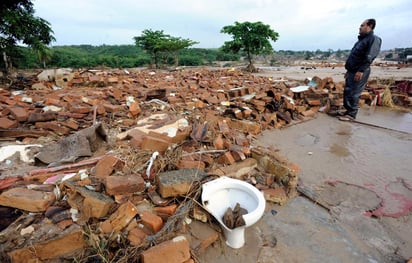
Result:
[301,24]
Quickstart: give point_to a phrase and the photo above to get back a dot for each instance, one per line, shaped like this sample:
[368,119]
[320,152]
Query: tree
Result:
[251,38]
[18,24]
[174,44]
[157,43]
[43,53]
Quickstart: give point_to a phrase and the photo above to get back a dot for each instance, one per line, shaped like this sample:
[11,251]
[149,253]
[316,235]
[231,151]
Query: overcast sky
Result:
[301,24]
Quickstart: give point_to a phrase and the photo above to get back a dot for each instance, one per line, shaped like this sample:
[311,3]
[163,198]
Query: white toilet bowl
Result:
[220,194]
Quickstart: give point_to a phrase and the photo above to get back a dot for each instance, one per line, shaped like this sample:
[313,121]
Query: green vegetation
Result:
[250,38]
[160,46]
[18,24]
[114,56]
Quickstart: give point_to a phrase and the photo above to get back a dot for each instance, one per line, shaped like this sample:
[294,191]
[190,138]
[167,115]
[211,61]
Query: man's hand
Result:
[358,76]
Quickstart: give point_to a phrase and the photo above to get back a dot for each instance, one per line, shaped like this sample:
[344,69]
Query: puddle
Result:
[339,150]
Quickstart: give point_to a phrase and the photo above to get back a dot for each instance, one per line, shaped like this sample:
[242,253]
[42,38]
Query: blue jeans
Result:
[353,90]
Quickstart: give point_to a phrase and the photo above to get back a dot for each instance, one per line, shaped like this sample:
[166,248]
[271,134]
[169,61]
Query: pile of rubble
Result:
[108,165]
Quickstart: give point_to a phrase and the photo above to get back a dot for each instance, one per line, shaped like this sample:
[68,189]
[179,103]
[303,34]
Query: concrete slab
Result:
[365,159]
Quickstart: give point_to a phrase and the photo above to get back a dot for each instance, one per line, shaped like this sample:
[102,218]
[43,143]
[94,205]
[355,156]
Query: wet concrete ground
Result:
[355,170]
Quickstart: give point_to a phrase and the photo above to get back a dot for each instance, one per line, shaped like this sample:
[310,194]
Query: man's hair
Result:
[371,22]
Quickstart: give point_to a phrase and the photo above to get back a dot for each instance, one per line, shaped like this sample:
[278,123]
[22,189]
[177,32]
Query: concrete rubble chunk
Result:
[178,182]
[82,143]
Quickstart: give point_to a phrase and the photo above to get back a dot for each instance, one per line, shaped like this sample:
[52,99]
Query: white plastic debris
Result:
[299,89]
[129,100]
[75,214]
[8,150]
[83,174]
[51,108]
[151,160]
[17,92]
[27,99]
[289,99]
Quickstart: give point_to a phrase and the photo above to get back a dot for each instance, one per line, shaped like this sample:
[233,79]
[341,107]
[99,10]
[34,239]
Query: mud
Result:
[337,73]
[360,173]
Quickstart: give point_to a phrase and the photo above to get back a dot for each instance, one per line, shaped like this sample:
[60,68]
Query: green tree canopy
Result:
[19,25]
[157,43]
[251,38]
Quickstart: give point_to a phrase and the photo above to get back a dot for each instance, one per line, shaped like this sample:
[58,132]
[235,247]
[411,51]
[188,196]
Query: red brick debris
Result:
[107,159]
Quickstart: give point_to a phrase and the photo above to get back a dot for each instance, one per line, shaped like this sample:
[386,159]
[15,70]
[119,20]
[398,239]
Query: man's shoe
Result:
[342,113]
[346,118]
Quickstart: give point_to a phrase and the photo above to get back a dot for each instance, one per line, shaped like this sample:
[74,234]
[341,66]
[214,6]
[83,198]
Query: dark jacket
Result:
[363,52]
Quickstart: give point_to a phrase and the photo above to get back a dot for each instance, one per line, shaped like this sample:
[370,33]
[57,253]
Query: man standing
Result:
[358,68]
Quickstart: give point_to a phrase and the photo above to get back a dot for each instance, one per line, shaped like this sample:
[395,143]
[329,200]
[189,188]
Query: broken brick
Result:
[136,236]
[19,113]
[246,126]
[66,243]
[107,165]
[120,218]
[176,250]
[113,108]
[239,169]
[27,199]
[151,221]
[277,195]
[226,158]
[155,144]
[117,185]
[44,116]
[168,210]
[53,126]
[134,108]
[89,203]
[6,123]
[182,164]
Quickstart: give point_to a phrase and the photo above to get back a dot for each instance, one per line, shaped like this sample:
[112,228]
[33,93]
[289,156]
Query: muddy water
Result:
[374,154]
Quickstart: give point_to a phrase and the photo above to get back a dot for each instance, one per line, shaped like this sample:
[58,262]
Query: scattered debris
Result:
[111,163]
